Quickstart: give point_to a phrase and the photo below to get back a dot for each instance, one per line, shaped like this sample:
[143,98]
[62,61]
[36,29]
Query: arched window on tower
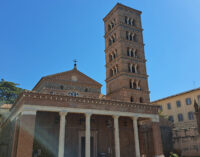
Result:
[131,52]
[134,85]
[130,37]
[116,69]
[112,24]
[129,21]
[126,19]
[113,39]
[110,42]
[132,22]
[135,53]
[127,35]
[114,54]
[134,38]
[131,84]
[110,57]
[138,85]
[109,27]
[111,72]
[133,69]
[128,51]
[131,99]
[141,100]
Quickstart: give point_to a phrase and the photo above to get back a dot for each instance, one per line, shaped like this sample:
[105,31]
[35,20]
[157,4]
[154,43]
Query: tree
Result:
[8,92]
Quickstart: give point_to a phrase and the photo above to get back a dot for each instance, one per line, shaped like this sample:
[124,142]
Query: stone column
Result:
[136,70]
[87,135]
[26,134]
[16,132]
[61,146]
[129,52]
[136,137]
[117,141]
[129,35]
[131,68]
[158,149]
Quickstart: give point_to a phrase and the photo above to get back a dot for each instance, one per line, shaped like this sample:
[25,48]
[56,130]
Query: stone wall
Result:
[6,139]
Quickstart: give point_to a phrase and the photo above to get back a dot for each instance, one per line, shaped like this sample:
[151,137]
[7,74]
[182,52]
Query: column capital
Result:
[134,118]
[115,116]
[88,114]
[29,112]
[155,119]
[63,113]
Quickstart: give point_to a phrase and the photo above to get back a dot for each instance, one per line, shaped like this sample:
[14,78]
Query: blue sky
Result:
[42,37]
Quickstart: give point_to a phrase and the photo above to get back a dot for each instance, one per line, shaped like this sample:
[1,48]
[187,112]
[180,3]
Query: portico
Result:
[88,113]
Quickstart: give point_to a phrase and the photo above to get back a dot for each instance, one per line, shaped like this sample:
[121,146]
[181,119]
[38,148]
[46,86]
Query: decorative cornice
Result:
[118,25]
[120,40]
[132,59]
[59,100]
[136,75]
[119,6]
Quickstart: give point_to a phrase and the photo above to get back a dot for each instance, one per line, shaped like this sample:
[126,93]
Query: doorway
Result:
[93,144]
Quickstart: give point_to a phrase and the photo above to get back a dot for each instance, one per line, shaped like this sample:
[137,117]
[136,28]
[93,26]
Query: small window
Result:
[130,83]
[134,85]
[161,109]
[111,73]
[190,115]
[62,87]
[109,27]
[110,42]
[178,103]
[86,89]
[128,52]
[132,100]
[180,117]
[134,38]
[133,23]
[188,101]
[171,118]
[73,94]
[127,36]
[198,98]
[112,24]
[169,106]
[141,100]
[126,19]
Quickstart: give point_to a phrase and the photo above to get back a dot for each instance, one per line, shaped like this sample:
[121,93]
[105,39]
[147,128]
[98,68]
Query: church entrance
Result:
[91,147]
[93,144]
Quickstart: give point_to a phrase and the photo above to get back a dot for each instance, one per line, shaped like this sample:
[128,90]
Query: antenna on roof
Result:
[75,65]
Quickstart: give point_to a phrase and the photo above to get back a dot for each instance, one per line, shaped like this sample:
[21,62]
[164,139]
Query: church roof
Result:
[73,76]
[182,93]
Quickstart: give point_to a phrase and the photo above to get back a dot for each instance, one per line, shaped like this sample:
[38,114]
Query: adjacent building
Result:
[179,109]
[65,115]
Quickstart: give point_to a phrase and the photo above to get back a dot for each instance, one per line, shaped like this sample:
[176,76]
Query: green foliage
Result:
[8,92]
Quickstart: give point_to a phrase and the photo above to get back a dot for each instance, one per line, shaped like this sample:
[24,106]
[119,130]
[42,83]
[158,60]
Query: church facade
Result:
[65,115]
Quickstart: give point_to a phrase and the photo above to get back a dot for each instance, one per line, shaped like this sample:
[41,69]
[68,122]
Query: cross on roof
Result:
[75,61]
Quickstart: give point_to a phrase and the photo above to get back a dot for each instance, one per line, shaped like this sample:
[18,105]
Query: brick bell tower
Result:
[126,77]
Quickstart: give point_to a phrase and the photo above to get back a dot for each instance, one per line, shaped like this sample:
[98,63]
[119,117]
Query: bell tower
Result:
[126,77]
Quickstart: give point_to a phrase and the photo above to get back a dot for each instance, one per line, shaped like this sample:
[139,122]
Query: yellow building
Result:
[179,109]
